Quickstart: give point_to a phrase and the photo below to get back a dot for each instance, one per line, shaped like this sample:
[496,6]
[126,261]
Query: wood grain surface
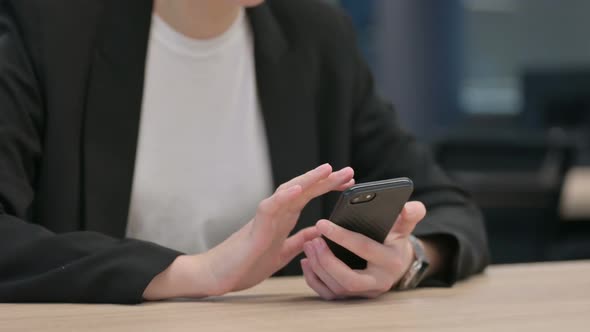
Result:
[529,297]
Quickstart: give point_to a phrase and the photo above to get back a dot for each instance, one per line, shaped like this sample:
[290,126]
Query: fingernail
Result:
[319,244]
[308,249]
[325,227]
[410,210]
[303,263]
[347,169]
[322,166]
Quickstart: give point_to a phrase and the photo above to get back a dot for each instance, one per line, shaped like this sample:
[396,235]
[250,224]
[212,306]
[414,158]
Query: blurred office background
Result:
[501,90]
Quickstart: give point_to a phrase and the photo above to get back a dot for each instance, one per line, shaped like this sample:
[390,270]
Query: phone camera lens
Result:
[363,198]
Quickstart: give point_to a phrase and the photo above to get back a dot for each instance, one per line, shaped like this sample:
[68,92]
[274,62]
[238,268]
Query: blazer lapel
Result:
[112,114]
[286,99]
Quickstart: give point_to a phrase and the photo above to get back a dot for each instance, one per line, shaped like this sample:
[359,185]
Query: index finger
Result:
[308,179]
[363,246]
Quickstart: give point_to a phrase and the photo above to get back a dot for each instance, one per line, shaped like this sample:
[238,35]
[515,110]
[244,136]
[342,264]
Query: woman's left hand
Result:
[386,263]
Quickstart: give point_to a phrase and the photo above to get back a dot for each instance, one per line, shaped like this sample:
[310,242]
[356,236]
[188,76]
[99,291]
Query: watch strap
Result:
[417,269]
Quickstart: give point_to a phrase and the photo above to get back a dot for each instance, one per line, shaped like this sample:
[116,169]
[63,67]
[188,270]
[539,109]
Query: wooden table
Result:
[534,297]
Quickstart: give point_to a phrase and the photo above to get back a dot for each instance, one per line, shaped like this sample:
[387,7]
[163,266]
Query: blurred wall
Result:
[419,60]
[504,37]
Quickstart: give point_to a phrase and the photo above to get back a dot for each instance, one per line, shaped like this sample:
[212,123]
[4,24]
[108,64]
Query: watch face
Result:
[417,265]
[413,274]
[419,275]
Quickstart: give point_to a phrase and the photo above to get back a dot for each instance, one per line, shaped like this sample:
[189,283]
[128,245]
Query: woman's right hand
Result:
[258,249]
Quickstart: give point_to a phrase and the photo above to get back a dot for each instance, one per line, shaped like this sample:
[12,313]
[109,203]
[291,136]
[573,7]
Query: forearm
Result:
[72,267]
[457,234]
[180,279]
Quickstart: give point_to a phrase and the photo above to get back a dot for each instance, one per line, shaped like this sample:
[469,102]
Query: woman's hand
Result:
[258,249]
[386,263]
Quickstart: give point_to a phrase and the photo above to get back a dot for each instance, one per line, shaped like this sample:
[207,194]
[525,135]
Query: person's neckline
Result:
[180,43]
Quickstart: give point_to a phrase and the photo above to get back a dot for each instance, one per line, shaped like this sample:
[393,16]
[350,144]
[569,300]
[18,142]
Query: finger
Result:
[314,282]
[331,183]
[294,244]
[319,271]
[309,178]
[346,185]
[352,281]
[366,248]
[410,216]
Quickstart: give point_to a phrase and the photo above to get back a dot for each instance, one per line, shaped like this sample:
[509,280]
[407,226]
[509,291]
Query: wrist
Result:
[437,250]
[430,248]
[185,277]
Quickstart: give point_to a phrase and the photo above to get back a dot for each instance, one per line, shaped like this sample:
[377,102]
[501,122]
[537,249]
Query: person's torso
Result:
[202,161]
[89,70]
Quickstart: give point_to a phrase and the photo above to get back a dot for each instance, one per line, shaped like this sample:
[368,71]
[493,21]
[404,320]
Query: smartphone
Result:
[370,209]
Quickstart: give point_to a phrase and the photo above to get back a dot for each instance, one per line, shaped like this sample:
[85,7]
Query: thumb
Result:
[411,215]
[294,244]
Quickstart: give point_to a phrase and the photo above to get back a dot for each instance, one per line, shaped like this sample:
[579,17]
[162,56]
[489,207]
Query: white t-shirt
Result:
[202,162]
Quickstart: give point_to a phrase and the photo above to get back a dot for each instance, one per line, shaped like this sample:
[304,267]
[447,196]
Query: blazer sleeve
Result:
[36,264]
[382,149]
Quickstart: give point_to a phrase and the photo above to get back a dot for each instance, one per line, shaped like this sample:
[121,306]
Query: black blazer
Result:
[71,83]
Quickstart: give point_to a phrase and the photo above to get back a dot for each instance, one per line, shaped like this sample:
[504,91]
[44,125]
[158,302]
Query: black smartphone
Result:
[370,209]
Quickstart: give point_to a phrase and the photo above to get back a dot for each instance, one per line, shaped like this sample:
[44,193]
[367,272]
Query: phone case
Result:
[373,218]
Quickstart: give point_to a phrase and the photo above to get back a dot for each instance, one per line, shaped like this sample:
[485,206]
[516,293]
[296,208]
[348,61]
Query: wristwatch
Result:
[418,268]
